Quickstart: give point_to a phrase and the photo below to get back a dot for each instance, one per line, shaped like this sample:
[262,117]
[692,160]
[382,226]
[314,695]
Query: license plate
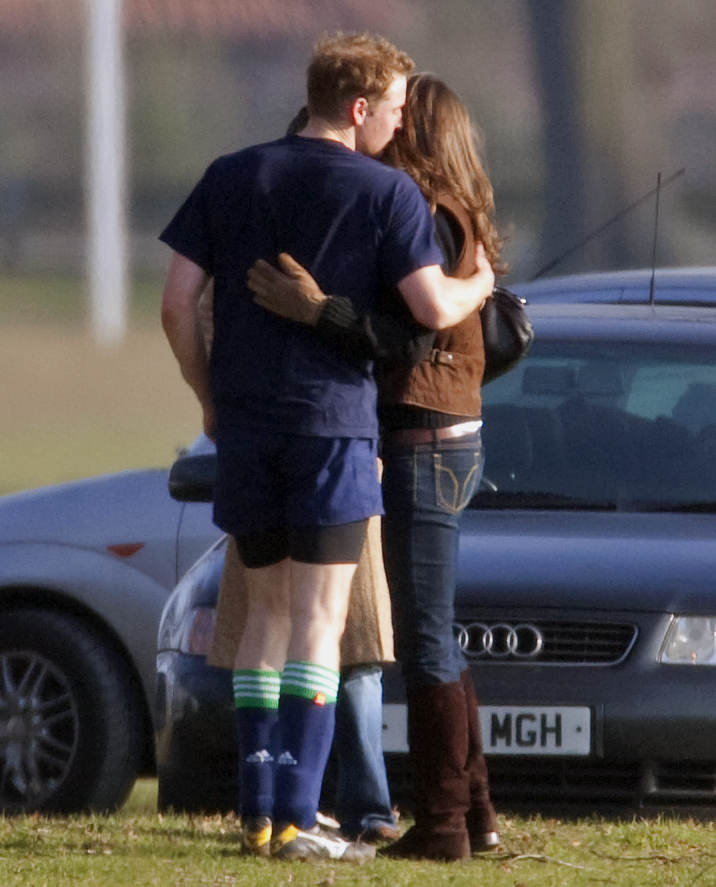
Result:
[510,729]
[533,730]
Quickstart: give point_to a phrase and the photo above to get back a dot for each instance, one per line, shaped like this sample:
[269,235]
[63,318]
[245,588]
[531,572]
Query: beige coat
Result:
[368,636]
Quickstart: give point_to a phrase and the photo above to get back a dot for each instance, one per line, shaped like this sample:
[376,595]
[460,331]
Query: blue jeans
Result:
[362,797]
[425,490]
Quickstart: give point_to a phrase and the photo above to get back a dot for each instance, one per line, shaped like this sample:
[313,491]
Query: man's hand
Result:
[483,272]
[439,302]
[293,294]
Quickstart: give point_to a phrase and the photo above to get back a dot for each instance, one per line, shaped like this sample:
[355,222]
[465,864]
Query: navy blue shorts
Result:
[271,480]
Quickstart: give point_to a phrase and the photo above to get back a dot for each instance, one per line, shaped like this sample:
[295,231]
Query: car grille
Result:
[654,785]
[679,783]
[540,784]
[546,642]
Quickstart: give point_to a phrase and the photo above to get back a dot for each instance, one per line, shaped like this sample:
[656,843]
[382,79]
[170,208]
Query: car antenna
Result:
[656,240]
[577,246]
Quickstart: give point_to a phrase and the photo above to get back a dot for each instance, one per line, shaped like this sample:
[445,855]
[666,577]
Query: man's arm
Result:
[439,302]
[180,318]
[292,292]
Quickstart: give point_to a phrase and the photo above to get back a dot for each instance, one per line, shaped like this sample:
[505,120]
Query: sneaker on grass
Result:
[291,843]
[256,836]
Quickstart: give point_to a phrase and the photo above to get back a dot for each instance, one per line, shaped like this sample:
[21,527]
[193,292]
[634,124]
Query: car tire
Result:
[70,724]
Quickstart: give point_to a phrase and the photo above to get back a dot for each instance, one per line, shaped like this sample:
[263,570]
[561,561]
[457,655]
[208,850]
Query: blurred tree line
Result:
[580,103]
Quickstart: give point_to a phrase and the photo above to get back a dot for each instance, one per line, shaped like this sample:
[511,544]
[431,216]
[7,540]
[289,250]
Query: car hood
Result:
[128,508]
[569,560]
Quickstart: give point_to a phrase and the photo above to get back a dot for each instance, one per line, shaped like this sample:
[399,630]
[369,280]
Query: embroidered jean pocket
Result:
[455,488]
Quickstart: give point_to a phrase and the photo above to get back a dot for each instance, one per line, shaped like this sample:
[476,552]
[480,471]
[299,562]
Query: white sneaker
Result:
[291,843]
[328,822]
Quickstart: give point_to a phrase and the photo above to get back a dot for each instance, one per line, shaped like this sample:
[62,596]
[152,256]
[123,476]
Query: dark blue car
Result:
[587,582]
[671,286]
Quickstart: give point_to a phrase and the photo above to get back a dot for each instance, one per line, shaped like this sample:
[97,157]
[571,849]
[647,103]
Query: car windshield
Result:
[615,426]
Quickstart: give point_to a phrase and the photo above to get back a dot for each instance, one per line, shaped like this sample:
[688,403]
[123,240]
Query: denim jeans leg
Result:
[362,797]
[425,490]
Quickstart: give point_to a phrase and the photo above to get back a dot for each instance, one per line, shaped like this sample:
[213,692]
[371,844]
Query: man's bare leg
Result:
[266,637]
[296,611]
[309,641]
[319,607]
[309,687]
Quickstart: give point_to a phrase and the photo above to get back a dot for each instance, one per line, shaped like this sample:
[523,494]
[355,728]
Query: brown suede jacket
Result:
[449,380]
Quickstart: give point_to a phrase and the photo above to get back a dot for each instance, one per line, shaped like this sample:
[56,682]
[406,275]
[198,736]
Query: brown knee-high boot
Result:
[438,739]
[481,820]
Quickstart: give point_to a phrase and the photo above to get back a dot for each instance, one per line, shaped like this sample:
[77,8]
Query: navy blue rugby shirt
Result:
[355,223]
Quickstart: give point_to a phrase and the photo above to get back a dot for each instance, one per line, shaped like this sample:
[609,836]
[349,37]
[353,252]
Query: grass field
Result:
[139,847]
[70,408]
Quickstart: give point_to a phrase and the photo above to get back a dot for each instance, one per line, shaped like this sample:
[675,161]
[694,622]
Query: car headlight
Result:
[187,622]
[197,634]
[690,640]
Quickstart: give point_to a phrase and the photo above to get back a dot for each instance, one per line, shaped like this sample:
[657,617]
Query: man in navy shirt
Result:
[295,424]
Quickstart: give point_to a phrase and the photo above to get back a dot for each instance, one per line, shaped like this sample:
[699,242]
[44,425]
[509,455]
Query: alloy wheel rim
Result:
[39,729]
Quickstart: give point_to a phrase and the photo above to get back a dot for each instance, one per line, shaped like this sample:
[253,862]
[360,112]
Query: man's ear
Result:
[359,111]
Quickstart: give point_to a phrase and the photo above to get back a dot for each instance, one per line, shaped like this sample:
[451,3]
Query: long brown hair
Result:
[437,148]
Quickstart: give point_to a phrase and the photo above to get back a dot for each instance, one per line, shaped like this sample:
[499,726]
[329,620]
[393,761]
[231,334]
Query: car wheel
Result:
[70,729]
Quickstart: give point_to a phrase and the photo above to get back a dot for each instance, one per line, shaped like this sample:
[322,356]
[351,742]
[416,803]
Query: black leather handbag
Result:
[506,331]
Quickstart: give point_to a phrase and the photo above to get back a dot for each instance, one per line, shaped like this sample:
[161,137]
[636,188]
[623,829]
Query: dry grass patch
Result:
[70,408]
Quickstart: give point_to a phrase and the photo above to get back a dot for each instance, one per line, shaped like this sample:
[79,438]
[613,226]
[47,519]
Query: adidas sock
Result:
[256,698]
[307,711]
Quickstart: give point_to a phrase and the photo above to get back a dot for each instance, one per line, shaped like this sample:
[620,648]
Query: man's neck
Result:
[318,128]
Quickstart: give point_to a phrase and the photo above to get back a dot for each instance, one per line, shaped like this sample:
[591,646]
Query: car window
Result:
[618,426]
[684,391]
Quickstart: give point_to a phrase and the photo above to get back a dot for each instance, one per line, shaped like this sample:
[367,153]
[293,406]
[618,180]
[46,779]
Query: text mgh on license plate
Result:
[532,730]
[510,729]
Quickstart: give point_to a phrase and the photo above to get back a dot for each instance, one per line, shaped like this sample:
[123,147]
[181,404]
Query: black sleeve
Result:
[451,237]
[373,336]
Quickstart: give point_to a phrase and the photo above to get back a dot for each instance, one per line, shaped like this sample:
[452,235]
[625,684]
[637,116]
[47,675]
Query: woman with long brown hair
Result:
[432,463]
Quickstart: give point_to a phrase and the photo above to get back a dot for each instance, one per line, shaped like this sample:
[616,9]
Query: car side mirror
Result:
[192,478]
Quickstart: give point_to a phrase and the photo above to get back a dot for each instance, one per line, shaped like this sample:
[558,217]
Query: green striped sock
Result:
[310,681]
[254,688]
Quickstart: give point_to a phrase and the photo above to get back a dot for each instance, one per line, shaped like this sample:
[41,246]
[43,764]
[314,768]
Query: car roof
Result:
[634,285]
[644,323]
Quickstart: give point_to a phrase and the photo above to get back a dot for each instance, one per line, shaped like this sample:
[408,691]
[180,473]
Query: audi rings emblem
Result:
[499,641]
